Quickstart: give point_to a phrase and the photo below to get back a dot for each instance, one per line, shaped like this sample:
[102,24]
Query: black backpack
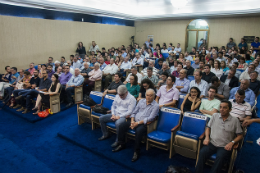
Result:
[175,169]
[100,109]
[88,101]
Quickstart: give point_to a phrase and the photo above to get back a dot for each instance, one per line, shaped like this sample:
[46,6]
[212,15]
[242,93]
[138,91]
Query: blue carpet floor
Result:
[35,147]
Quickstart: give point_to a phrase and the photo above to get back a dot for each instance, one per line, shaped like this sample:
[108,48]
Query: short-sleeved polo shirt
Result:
[209,105]
[167,96]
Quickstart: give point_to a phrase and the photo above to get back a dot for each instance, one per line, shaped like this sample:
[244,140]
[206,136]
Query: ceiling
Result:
[147,9]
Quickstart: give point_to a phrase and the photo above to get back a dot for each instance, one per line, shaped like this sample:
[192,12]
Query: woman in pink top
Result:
[95,74]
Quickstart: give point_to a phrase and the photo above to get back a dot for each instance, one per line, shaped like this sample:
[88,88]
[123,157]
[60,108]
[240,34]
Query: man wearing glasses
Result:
[64,78]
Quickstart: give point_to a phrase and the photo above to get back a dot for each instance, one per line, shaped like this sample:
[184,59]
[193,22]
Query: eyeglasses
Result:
[44,73]
[121,95]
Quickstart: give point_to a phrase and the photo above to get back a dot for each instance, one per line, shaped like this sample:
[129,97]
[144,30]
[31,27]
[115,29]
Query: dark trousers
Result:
[123,72]
[27,95]
[105,80]
[69,92]
[63,93]
[88,86]
[207,151]
[9,92]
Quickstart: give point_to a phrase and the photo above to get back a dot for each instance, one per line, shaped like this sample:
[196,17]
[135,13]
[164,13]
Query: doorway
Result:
[197,35]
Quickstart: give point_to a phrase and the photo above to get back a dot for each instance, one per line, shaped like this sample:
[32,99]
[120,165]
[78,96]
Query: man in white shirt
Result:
[94,47]
[196,63]
[199,83]
[221,57]
[178,50]
[71,68]
[138,61]
[125,66]
[187,56]
[76,62]
[246,74]
[134,71]
[234,66]
[151,64]
[108,71]
[164,49]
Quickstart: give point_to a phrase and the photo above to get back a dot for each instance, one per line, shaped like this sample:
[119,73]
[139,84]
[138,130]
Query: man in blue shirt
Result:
[250,95]
[76,62]
[74,81]
[242,44]
[123,53]
[182,83]
[93,61]
[11,79]
[256,45]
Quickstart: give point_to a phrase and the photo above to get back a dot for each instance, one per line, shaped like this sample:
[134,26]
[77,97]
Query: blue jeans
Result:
[69,92]
[9,92]
[207,151]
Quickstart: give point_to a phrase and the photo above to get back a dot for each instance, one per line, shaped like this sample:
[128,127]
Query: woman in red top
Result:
[107,60]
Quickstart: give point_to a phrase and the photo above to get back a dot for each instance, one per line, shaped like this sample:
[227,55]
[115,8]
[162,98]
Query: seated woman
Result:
[133,87]
[191,101]
[242,64]
[94,75]
[44,97]
[216,70]
[223,66]
[145,84]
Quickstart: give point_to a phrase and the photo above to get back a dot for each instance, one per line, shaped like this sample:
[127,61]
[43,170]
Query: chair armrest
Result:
[80,102]
[175,128]
[78,86]
[202,136]
[53,94]
[150,122]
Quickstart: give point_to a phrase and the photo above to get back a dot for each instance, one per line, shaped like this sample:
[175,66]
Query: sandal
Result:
[36,113]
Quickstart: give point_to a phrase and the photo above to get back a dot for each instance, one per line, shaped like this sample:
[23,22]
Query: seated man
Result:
[207,74]
[89,83]
[150,76]
[102,63]
[64,78]
[31,69]
[196,63]
[50,71]
[84,72]
[168,95]
[163,80]
[158,65]
[154,70]
[250,95]
[240,108]
[74,81]
[112,88]
[165,68]
[199,83]
[108,72]
[211,105]
[76,62]
[93,61]
[145,111]
[122,108]
[223,89]
[246,73]
[231,80]
[201,67]
[71,67]
[138,61]
[125,66]
[176,73]
[182,83]
[237,72]
[189,69]
[254,83]
[134,71]
[218,140]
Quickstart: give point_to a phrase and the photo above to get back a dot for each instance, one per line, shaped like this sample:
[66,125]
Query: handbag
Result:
[88,101]
[100,109]
[44,113]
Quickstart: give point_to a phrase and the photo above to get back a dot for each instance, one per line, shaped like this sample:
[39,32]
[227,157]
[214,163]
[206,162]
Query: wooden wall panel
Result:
[25,40]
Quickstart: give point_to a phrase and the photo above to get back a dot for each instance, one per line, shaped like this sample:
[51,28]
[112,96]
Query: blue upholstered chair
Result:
[192,62]
[167,125]
[181,99]
[107,103]
[165,55]
[241,70]
[188,139]
[190,78]
[84,111]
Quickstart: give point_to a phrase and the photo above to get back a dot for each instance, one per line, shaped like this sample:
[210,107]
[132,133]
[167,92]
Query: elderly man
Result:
[223,89]
[176,73]
[122,108]
[112,88]
[240,108]
[125,66]
[231,80]
[187,56]
[76,62]
[162,80]
[133,71]
[246,73]
[102,63]
[199,83]
[151,76]
[89,83]
[75,80]
[190,70]
[182,83]
[154,70]
[196,64]
[31,68]
[254,83]
[220,140]
[207,74]
[250,95]
[211,105]
[145,111]
[165,68]
[84,72]
[168,95]
[138,61]
[234,66]
[56,65]
[108,71]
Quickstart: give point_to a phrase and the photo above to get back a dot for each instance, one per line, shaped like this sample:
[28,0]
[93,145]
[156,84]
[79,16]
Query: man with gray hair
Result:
[151,64]
[134,71]
[145,111]
[165,68]
[182,83]
[125,66]
[196,63]
[151,76]
[250,95]
[189,69]
[76,62]
[122,107]
[84,72]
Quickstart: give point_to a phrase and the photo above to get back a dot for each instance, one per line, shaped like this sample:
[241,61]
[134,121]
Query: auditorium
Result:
[151,86]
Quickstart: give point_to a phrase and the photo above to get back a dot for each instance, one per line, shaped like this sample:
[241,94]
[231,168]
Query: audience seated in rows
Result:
[223,89]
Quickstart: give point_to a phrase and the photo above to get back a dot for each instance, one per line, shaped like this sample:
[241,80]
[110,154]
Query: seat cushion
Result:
[97,114]
[111,124]
[188,135]
[131,131]
[159,136]
[84,106]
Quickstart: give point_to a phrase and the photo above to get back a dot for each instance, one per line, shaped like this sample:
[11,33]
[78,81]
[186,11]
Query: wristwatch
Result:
[138,122]
[233,142]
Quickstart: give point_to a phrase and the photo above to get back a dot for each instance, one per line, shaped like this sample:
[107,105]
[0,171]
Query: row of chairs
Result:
[170,131]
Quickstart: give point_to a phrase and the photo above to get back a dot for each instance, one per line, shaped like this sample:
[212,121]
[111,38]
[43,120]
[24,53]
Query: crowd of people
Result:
[151,77]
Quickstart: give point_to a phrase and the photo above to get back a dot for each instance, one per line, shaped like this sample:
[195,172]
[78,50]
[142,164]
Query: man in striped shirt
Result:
[240,108]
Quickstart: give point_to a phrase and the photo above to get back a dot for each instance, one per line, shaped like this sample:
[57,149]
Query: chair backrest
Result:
[191,78]
[181,98]
[192,62]
[241,70]
[36,67]
[108,101]
[168,119]
[96,96]
[193,123]
[165,55]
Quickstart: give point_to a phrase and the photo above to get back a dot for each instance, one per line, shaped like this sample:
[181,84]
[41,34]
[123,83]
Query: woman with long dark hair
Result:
[44,97]
[133,87]
[81,50]
[191,101]
[145,84]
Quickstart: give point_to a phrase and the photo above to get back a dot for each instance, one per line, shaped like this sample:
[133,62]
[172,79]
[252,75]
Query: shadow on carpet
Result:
[29,116]
[153,160]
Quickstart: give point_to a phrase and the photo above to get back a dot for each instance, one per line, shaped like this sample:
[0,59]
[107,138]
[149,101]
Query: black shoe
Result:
[115,144]
[69,105]
[18,97]
[135,157]
[103,138]
[119,148]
